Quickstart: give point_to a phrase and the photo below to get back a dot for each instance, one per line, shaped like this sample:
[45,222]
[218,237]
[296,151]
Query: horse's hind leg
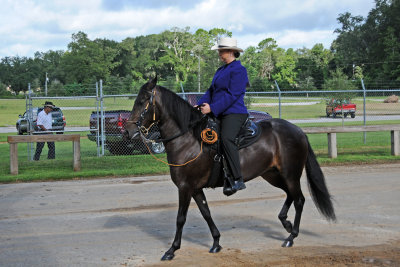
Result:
[278,181]
[201,201]
[284,211]
[294,192]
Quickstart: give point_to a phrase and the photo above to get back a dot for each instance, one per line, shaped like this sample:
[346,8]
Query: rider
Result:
[225,99]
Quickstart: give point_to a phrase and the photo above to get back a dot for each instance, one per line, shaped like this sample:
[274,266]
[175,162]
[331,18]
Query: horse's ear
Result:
[152,83]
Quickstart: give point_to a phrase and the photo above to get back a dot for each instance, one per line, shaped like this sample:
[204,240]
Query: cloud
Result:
[40,25]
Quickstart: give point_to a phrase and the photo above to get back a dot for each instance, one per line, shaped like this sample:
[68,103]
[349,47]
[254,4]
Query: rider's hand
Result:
[205,108]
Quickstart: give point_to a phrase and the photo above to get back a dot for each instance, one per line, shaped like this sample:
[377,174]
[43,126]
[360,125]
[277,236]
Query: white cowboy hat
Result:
[226,43]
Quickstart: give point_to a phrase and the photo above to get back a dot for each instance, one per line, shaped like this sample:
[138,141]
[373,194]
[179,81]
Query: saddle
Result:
[248,134]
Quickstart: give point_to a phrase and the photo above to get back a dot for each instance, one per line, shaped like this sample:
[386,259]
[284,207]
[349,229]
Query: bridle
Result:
[145,131]
[142,129]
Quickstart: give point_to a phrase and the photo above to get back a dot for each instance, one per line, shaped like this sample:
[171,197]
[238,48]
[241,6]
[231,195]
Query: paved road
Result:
[348,119]
[131,221]
[11,129]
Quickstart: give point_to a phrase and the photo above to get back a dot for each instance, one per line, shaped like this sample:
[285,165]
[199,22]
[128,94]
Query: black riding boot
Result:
[231,186]
[238,184]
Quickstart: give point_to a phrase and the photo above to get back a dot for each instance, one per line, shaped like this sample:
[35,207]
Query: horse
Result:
[278,156]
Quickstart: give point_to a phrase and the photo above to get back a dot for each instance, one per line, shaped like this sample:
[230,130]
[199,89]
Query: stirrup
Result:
[238,185]
[228,186]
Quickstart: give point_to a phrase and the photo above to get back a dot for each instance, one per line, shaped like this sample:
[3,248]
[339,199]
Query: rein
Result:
[172,164]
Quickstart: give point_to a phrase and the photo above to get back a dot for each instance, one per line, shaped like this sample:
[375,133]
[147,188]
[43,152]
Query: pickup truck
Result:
[334,107]
[115,121]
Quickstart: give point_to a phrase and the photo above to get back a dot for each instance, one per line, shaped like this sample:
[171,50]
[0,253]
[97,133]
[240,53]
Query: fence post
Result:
[98,120]
[364,109]
[332,146]
[279,95]
[395,140]
[29,129]
[103,137]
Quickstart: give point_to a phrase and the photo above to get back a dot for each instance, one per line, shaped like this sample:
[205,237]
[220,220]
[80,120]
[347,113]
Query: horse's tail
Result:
[316,184]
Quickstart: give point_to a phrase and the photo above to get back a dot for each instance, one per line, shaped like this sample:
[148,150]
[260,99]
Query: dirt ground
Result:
[385,254]
[131,222]
[377,255]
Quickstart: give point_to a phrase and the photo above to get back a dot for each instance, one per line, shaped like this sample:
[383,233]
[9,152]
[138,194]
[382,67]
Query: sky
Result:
[27,26]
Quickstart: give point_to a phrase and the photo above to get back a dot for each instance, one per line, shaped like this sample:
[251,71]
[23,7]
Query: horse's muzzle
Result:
[128,136]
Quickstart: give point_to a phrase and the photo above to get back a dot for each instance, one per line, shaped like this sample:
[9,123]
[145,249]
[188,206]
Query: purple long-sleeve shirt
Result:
[227,90]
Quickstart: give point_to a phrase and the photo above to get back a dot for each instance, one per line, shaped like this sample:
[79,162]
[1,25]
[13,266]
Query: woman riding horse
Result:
[225,100]
[279,156]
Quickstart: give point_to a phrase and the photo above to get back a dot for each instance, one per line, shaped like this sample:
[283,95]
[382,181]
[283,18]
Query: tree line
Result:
[367,48]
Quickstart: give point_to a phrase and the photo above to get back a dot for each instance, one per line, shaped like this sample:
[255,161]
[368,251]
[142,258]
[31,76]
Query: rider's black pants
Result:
[230,126]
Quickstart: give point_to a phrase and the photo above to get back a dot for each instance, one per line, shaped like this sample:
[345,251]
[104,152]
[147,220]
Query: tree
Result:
[50,62]
[313,66]
[178,45]
[88,61]
[18,72]
[284,72]
[374,40]
[260,62]
[146,52]
[3,88]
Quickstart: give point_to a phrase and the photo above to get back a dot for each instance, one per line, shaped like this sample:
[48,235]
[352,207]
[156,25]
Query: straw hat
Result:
[226,43]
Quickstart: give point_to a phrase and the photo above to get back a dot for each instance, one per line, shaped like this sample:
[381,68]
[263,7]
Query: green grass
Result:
[91,165]
[351,150]
[9,111]
[11,108]
[351,147]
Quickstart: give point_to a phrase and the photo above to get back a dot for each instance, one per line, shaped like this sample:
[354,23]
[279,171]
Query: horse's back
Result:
[289,140]
[285,128]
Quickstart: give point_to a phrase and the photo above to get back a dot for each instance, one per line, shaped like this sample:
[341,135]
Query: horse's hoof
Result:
[287,244]
[167,257]
[215,249]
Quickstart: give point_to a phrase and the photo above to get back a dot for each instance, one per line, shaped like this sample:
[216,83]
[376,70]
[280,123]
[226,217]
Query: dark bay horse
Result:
[279,156]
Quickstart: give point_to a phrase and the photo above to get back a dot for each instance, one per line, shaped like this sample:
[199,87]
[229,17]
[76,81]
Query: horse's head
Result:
[143,111]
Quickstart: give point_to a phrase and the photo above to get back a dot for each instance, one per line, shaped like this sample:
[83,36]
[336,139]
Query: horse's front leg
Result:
[184,201]
[201,201]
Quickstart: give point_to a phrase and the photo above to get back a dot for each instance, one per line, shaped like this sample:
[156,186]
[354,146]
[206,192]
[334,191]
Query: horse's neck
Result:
[169,128]
[171,113]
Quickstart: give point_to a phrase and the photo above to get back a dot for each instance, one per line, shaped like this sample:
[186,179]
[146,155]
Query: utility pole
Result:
[45,85]
[198,76]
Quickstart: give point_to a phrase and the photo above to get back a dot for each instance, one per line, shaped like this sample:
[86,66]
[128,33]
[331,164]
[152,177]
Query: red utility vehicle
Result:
[336,107]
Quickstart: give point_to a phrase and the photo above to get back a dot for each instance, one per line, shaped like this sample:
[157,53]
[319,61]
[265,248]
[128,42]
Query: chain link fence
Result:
[100,118]
[310,109]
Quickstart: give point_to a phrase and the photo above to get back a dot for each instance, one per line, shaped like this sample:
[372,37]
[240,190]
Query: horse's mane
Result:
[179,109]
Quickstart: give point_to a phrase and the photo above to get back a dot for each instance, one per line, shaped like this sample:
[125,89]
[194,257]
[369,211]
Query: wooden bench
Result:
[13,140]
[331,131]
